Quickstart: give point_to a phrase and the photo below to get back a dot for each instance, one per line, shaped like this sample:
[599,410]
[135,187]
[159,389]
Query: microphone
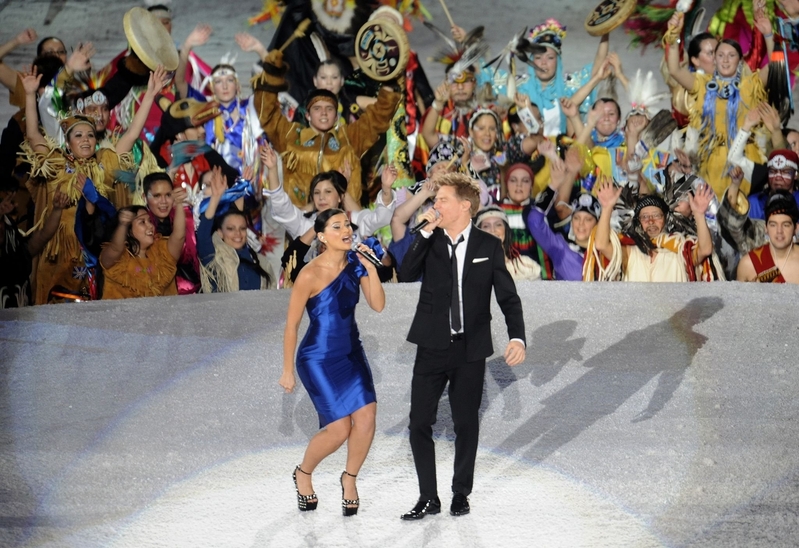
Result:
[368,256]
[420,226]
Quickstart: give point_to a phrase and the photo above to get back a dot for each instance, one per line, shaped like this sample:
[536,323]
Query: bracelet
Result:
[438,107]
[769,35]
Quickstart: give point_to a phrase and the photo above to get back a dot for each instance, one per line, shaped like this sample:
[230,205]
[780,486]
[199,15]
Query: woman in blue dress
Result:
[330,361]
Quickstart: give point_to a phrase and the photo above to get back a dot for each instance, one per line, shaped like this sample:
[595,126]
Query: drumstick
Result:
[446,12]
[299,33]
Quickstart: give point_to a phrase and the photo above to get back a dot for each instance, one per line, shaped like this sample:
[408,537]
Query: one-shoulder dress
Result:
[331,362]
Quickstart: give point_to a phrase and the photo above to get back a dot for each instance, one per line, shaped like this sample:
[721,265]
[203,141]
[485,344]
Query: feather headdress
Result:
[460,56]
[644,94]
[519,47]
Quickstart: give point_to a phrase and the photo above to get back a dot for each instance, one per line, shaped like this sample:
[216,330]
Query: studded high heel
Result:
[348,507]
[304,502]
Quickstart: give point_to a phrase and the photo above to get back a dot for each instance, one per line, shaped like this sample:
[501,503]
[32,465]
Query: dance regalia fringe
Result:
[597,268]
[62,261]
[133,276]
[714,137]
[765,268]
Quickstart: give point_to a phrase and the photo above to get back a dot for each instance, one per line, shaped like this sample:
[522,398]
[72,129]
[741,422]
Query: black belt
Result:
[456,337]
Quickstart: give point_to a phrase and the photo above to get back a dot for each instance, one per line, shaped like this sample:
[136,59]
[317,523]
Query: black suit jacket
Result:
[483,270]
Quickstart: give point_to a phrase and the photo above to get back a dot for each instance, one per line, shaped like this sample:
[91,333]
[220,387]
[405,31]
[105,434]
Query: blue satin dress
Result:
[331,362]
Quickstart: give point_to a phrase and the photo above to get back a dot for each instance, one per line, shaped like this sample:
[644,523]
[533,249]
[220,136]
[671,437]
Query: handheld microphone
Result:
[423,223]
[368,256]
[420,226]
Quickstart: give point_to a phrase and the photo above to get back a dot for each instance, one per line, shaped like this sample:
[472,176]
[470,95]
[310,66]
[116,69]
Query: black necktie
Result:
[455,305]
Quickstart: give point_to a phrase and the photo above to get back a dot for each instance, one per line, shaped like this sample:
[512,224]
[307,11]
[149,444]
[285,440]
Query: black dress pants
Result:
[431,372]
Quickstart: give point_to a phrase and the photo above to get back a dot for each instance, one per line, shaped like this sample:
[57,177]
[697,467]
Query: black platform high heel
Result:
[304,502]
[348,507]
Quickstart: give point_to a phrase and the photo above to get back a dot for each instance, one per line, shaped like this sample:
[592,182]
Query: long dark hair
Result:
[695,45]
[508,250]
[233,211]
[48,66]
[152,178]
[336,179]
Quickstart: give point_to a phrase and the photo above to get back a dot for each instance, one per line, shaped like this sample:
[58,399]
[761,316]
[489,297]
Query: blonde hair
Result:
[465,187]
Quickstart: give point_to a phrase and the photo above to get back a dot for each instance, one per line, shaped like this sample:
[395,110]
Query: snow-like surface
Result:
[159,422]
[644,415]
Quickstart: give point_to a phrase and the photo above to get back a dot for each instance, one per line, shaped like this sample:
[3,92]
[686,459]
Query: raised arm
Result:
[615,62]
[80,60]
[771,119]
[370,285]
[431,118]
[530,141]
[631,162]
[403,213]
[681,74]
[413,264]
[763,24]
[348,203]
[30,82]
[571,110]
[266,86]
[249,43]
[8,76]
[607,194]
[387,179]
[269,159]
[736,156]
[218,188]
[599,73]
[591,119]
[196,37]
[562,180]
[699,204]
[178,236]
[116,247]
[283,211]
[736,177]
[601,53]
[157,81]
[366,130]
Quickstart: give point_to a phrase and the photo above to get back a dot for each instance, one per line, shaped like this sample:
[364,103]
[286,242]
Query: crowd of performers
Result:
[130,182]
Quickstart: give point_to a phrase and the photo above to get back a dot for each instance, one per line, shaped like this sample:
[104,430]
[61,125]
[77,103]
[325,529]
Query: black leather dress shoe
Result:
[422,508]
[460,505]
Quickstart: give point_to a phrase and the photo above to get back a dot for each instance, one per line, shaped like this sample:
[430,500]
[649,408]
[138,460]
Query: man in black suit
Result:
[452,331]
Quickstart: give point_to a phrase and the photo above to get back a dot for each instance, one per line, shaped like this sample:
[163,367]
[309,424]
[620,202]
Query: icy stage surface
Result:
[644,415]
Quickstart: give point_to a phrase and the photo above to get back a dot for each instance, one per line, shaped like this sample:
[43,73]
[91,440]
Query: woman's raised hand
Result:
[30,81]
[218,182]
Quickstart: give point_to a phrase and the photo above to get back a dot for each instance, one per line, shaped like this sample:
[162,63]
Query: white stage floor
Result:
[159,423]
[644,415]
